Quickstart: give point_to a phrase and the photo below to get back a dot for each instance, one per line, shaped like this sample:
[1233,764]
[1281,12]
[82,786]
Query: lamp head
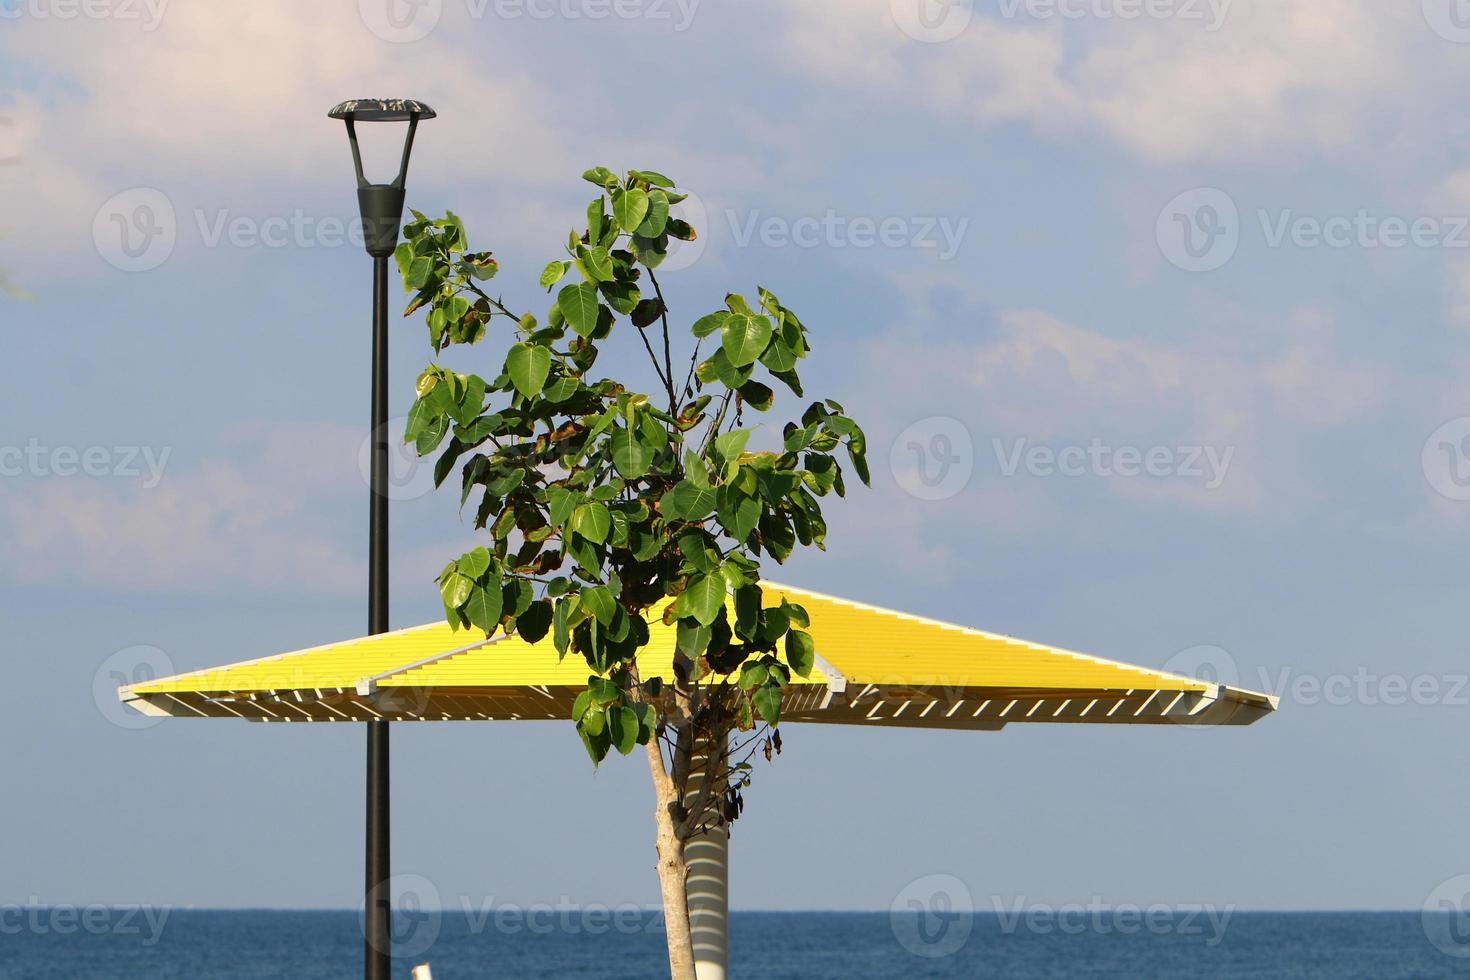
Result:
[381,204]
[381,110]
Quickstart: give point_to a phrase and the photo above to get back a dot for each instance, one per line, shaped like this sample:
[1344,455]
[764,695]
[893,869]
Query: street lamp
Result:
[382,214]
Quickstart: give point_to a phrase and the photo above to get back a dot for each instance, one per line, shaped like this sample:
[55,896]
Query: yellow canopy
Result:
[874,667]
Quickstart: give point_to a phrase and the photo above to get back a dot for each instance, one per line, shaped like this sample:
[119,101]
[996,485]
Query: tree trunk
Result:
[672,871]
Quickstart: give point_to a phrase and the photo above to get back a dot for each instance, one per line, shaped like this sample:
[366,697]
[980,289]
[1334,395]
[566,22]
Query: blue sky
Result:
[1228,238]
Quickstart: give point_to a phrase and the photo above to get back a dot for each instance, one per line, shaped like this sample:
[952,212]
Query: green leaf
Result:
[456,590]
[528,368]
[768,703]
[472,401]
[737,512]
[418,273]
[707,325]
[475,563]
[631,456]
[630,207]
[692,637]
[744,337]
[533,624]
[600,603]
[658,215]
[552,274]
[621,296]
[596,745]
[758,396]
[695,469]
[431,434]
[596,220]
[604,691]
[653,177]
[585,554]
[731,444]
[720,369]
[752,675]
[801,652]
[561,389]
[579,304]
[420,416]
[561,631]
[596,263]
[704,598]
[647,312]
[601,176]
[592,521]
[747,611]
[687,502]
[778,357]
[563,502]
[483,608]
[623,728]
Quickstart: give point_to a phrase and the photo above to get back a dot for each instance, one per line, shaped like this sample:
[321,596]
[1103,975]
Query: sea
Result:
[70,943]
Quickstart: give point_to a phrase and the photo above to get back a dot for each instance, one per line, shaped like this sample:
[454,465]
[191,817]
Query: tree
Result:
[608,508]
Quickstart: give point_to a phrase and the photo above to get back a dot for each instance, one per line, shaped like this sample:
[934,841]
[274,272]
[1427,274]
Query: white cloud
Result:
[252,519]
[1287,74]
[1038,380]
[224,101]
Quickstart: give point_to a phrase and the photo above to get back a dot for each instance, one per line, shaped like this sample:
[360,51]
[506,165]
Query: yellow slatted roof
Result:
[875,666]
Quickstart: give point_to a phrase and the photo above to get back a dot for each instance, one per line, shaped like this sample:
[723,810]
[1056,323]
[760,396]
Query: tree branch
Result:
[663,316]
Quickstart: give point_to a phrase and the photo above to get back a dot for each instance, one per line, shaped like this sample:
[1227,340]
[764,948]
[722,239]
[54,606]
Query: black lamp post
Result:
[382,214]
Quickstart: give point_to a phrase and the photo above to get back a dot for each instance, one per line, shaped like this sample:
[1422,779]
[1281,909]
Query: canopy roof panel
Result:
[874,666]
